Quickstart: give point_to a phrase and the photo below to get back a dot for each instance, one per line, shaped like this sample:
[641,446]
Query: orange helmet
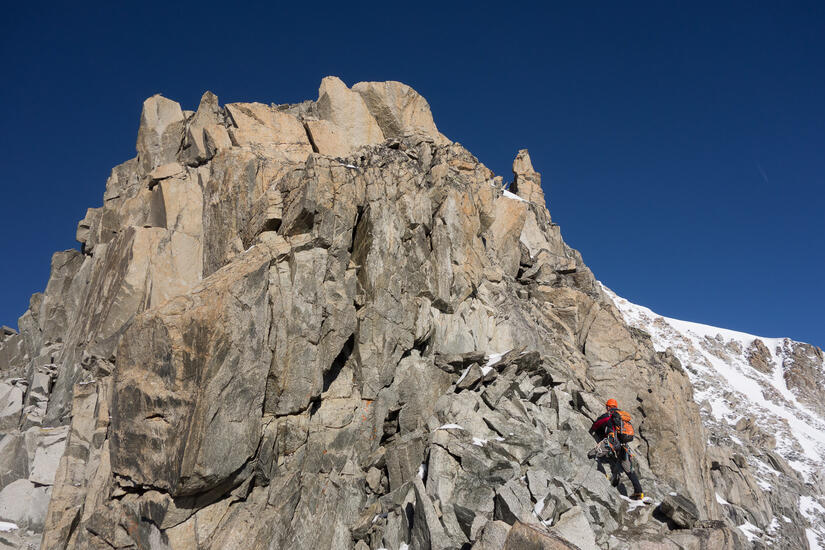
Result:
[612,404]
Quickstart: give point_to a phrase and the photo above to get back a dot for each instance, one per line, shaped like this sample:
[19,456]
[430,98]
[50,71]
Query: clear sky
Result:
[682,145]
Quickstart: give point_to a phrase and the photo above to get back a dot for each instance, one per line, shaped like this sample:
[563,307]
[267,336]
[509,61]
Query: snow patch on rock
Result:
[6,526]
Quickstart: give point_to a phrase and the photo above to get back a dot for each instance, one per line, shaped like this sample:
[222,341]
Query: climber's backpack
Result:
[621,426]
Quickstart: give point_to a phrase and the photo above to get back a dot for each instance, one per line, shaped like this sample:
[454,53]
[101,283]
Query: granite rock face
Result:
[329,314]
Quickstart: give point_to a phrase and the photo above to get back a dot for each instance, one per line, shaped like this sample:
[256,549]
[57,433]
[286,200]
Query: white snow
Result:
[751,531]
[6,526]
[422,470]
[403,546]
[813,544]
[774,525]
[539,506]
[715,360]
[720,500]
[480,442]
[764,485]
[674,494]
[762,467]
[511,195]
[493,358]
[633,504]
[450,427]
[811,509]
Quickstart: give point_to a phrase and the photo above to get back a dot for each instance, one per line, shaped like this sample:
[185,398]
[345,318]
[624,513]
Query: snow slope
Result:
[731,392]
[718,367]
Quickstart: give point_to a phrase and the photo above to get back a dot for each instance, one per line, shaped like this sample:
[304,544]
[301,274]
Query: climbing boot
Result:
[637,496]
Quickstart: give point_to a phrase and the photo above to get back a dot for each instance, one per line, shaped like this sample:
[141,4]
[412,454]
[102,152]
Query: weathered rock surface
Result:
[347,116]
[325,325]
[399,110]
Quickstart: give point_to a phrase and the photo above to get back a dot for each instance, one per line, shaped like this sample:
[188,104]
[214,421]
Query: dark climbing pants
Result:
[622,464]
[618,466]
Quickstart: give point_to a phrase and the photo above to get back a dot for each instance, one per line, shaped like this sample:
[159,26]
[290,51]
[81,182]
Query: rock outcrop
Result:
[325,325]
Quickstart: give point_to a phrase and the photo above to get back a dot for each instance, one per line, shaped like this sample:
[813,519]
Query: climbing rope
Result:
[587,473]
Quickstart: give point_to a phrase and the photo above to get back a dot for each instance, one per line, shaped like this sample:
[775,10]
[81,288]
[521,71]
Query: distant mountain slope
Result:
[760,396]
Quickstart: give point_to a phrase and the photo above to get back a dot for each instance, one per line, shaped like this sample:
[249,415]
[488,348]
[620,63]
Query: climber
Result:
[614,431]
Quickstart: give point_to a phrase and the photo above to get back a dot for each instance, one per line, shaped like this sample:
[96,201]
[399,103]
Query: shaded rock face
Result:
[286,316]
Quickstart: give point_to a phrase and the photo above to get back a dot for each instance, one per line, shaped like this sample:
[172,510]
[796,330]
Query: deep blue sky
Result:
[682,146]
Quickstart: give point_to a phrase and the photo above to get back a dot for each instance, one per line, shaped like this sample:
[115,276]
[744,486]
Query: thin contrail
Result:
[761,171]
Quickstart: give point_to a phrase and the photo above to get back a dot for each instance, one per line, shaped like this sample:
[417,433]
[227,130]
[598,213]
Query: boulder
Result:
[11,351]
[205,133]
[62,296]
[493,536]
[160,132]
[49,446]
[14,460]
[532,537]
[404,460]
[24,504]
[11,406]
[513,503]
[348,113]
[427,532]
[165,171]
[399,110]
[503,234]
[261,128]
[680,510]
[573,526]
[328,138]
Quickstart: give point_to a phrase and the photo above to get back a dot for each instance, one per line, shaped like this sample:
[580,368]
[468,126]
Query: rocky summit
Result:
[326,325]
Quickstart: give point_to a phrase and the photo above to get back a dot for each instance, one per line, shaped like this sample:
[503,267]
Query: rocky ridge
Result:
[329,314]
